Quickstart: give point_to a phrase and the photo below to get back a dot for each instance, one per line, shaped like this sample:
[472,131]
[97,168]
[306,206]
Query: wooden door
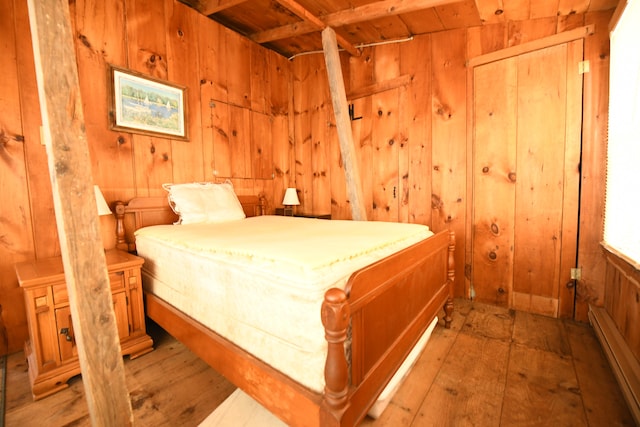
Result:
[526,151]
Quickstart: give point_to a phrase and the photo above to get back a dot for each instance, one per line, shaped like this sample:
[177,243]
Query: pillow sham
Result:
[199,202]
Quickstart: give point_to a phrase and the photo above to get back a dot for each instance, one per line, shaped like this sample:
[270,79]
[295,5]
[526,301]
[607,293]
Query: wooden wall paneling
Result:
[278,83]
[590,289]
[570,22]
[540,172]
[321,114]
[261,145]
[363,134]
[153,164]
[259,81]
[322,194]
[385,150]
[147,54]
[449,140]
[387,140]
[238,64]
[571,190]
[493,181]
[18,239]
[305,81]
[282,153]
[486,39]
[531,29]
[146,50]
[212,51]
[221,138]
[622,300]
[480,40]
[240,141]
[360,70]
[390,153]
[206,112]
[41,232]
[386,64]
[415,116]
[339,200]
[360,73]
[100,42]
[182,57]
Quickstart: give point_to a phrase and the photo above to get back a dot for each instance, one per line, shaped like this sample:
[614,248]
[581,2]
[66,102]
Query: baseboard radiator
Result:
[623,363]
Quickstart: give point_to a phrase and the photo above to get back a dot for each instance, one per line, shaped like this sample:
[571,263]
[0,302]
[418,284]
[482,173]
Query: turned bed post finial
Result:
[451,274]
[262,205]
[335,319]
[121,242]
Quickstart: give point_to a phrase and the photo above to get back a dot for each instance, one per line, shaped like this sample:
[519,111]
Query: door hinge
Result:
[583,67]
[576,273]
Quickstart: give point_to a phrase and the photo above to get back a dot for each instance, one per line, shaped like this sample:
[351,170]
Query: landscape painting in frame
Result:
[149,106]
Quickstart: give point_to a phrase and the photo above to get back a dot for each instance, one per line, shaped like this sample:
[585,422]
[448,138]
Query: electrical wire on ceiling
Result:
[360,46]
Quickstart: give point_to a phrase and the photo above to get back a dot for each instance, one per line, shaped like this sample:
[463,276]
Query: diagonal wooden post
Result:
[76,214]
[343,124]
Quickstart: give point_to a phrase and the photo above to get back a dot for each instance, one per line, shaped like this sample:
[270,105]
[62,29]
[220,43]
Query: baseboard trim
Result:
[623,363]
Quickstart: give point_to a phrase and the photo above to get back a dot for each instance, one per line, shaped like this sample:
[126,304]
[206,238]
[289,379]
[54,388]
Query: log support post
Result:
[76,212]
[343,124]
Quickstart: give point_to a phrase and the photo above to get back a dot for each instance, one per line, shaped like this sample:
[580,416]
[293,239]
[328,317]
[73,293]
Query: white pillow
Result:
[199,202]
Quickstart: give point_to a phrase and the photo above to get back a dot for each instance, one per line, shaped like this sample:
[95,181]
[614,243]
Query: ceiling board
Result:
[361,22]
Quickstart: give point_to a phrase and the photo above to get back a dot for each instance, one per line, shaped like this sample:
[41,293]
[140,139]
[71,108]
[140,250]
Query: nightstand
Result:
[51,349]
[280,211]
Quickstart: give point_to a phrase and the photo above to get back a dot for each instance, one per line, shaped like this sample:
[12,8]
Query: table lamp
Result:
[290,200]
[103,207]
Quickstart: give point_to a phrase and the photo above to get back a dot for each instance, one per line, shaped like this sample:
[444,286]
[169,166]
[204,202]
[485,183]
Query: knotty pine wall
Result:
[412,139]
[267,123]
[238,106]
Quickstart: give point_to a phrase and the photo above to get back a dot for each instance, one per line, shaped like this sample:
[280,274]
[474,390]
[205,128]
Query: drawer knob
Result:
[65,332]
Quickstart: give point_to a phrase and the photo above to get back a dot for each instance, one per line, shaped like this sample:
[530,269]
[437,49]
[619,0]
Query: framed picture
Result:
[142,104]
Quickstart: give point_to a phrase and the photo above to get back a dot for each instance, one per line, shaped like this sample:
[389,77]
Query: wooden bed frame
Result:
[387,305]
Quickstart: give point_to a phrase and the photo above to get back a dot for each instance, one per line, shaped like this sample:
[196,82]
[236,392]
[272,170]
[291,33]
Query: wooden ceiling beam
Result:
[209,7]
[348,16]
[317,23]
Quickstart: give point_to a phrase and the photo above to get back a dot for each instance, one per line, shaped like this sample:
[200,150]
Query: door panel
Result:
[525,175]
[494,181]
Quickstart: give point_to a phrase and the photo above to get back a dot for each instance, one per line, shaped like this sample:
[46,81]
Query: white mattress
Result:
[260,281]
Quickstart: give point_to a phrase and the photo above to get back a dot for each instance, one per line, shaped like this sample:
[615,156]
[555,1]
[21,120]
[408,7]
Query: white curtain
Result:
[622,207]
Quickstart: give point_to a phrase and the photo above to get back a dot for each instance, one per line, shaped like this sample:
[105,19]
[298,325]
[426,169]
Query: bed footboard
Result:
[388,305]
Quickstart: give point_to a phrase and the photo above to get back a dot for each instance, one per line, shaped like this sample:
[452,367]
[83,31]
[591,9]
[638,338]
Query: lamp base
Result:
[287,211]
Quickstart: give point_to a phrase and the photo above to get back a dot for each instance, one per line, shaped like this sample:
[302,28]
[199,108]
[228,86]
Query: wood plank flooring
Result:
[494,367]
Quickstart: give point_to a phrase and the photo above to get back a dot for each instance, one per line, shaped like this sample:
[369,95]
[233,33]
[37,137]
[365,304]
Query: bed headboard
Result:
[145,211]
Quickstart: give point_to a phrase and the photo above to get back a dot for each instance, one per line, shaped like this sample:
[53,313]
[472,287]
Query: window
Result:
[622,207]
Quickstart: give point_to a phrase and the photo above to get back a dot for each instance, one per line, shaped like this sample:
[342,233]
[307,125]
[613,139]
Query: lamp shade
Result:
[290,197]
[103,207]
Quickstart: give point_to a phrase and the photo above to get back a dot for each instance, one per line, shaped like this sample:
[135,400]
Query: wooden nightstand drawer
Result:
[61,295]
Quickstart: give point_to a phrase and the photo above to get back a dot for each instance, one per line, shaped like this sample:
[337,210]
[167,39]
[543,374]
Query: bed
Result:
[367,324]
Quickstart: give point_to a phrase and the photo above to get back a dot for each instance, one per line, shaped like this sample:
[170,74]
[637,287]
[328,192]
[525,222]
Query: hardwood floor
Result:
[495,367]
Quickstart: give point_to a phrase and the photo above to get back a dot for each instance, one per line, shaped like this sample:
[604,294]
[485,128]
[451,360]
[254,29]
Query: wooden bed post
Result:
[121,241]
[451,274]
[335,319]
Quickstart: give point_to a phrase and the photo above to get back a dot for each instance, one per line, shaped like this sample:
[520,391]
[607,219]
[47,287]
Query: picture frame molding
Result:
[176,93]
